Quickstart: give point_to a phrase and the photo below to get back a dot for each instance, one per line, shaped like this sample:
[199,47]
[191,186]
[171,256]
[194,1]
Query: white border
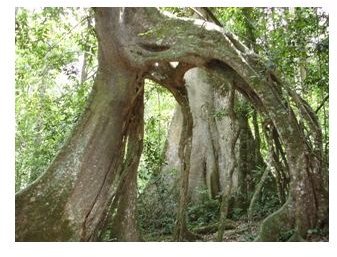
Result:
[167,3]
[7,155]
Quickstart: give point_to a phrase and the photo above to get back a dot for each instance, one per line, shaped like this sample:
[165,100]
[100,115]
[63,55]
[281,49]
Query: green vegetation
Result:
[51,45]
[55,66]
[159,108]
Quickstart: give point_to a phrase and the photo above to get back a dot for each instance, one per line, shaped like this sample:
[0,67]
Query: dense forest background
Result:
[56,63]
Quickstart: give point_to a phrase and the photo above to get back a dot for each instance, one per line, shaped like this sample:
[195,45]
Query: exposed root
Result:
[212,228]
[276,223]
[188,236]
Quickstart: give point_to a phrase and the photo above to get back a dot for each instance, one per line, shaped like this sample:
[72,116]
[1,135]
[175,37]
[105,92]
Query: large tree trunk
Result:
[68,201]
[231,164]
[210,154]
[185,146]
[122,224]
[220,51]
[211,163]
[176,85]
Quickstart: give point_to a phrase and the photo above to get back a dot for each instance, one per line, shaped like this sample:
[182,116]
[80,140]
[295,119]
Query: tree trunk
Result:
[256,194]
[70,199]
[230,167]
[67,202]
[224,54]
[210,155]
[181,232]
[211,131]
[124,225]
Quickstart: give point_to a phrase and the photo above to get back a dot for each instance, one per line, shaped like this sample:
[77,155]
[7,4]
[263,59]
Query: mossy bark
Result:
[68,201]
[124,225]
[65,203]
[220,51]
[280,221]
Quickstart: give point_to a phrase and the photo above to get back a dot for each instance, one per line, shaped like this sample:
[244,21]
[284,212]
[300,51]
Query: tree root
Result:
[189,236]
[212,228]
[276,223]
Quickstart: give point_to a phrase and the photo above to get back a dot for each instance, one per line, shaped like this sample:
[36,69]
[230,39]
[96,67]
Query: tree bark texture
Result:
[218,50]
[176,85]
[121,220]
[68,201]
[232,163]
[210,154]
[211,131]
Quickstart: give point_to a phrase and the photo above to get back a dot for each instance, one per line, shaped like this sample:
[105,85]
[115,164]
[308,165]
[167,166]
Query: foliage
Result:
[268,201]
[157,206]
[49,94]
[286,234]
[156,201]
[55,65]
[159,107]
[237,213]
[179,12]
[203,212]
[220,113]
[294,41]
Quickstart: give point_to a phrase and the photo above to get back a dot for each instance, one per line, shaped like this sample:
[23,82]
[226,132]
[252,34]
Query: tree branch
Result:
[322,104]
[206,14]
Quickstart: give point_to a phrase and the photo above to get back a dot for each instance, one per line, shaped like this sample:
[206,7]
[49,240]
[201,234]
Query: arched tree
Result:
[70,200]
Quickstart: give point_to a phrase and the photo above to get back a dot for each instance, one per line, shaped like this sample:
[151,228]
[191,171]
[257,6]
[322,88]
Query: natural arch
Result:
[72,198]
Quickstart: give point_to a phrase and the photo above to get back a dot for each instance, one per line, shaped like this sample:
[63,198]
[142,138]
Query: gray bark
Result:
[124,225]
[232,163]
[68,201]
[232,60]
[210,156]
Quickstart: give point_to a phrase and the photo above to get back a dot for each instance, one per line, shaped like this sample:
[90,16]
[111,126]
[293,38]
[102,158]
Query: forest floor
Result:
[244,231]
